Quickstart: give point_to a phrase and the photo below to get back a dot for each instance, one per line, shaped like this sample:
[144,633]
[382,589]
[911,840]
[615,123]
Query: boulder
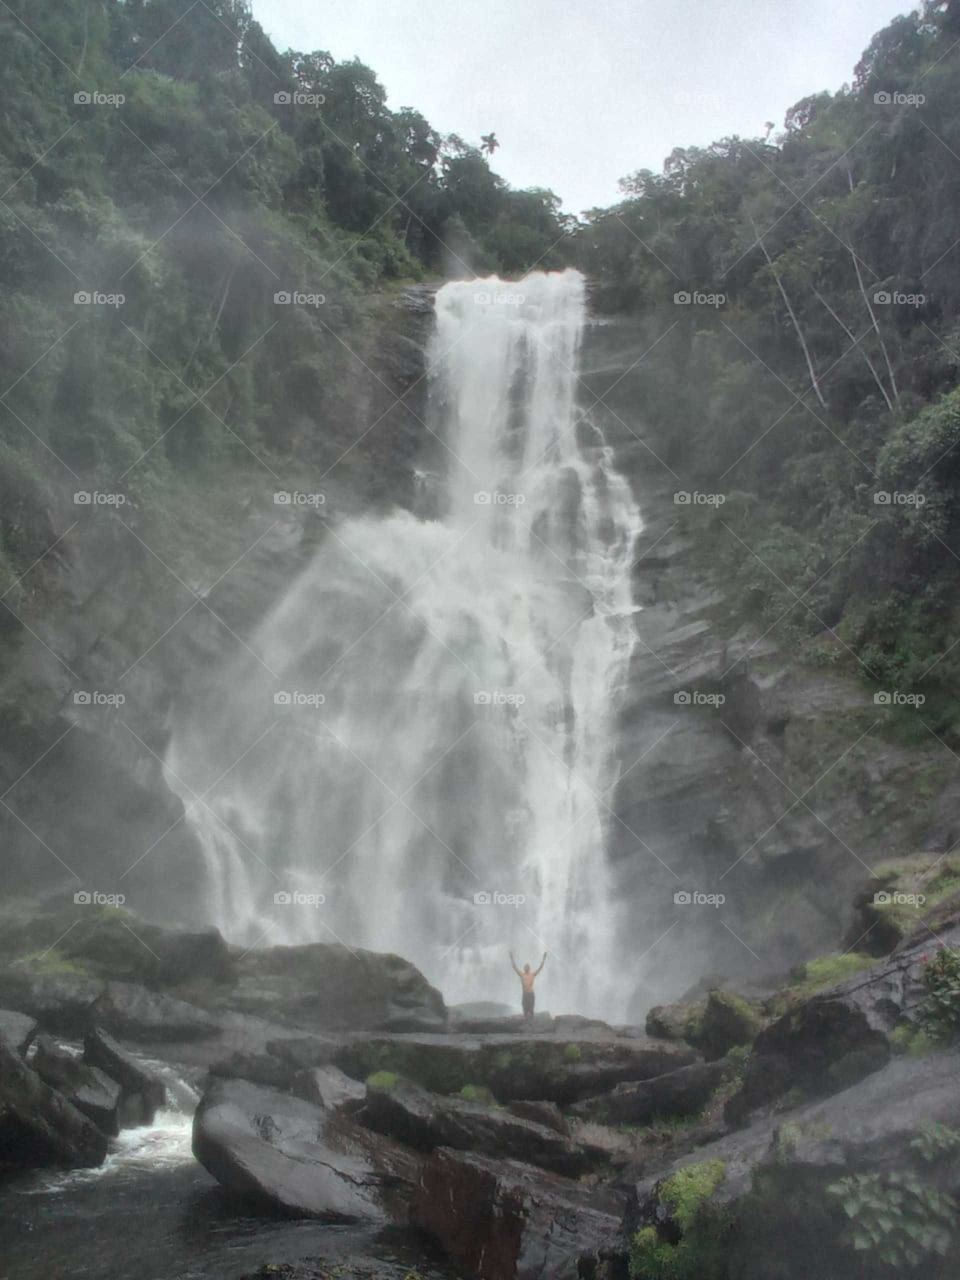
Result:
[328,1087]
[279,1062]
[40,1127]
[728,1020]
[328,987]
[89,1089]
[503,1220]
[142,1093]
[713,1025]
[59,1001]
[112,943]
[17,1030]
[674,1021]
[536,1067]
[821,1044]
[425,1121]
[293,1157]
[768,1182]
[133,1011]
[677,1093]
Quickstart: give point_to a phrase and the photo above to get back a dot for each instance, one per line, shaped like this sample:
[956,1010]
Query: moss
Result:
[571,1053]
[52,961]
[699,1254]
[686,1191]
[911,1041]
[828,971]
[477,1093]
[382,1081]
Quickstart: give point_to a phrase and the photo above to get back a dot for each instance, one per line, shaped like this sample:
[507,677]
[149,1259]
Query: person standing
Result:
[527,978]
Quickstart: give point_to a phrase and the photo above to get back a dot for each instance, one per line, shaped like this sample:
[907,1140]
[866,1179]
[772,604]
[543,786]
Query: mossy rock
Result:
[904,896]
[688,1241]
[714,1025]
[676,1021]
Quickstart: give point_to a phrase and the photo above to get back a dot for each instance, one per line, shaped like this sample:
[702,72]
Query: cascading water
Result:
[428,721]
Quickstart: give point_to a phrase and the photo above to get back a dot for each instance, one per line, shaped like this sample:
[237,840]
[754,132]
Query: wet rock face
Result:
[678,1093]
[514,1068]
[17,1030]
[40,1127]
[293,1157]
[502,1220]
[425,1121]
[331,987]
[838,1036]
[142,1093]
[90,1090]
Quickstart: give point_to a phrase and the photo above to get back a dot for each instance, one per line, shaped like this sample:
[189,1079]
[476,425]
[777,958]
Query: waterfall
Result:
[429,712]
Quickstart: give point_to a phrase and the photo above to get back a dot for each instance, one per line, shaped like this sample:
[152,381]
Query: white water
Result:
[166,1143]
[401,796]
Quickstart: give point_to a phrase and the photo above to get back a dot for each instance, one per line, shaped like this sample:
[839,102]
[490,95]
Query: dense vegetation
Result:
[815,369]
[828,372]
[167,152]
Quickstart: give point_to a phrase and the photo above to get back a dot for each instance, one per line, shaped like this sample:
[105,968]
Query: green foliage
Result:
[477,1093]
[571,1053]
[699,1253]
[911,1041]
[896,1217]
[939,1014]
[827,971]
[936,1141]
[382,1081]
[819,397]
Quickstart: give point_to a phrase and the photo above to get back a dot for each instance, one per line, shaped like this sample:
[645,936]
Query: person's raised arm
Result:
[542,963]
[514,964]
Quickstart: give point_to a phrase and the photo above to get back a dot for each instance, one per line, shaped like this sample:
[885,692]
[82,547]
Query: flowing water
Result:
[151,1212]
[415,751]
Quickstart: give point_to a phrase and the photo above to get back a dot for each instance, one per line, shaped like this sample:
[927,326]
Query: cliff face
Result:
[744,772]
[116,623]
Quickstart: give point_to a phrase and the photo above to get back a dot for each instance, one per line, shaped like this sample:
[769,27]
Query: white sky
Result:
[582,92]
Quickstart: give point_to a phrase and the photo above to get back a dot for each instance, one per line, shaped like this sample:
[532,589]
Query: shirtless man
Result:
[527,978]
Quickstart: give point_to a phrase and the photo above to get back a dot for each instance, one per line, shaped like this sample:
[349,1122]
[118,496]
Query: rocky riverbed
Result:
[313,1108]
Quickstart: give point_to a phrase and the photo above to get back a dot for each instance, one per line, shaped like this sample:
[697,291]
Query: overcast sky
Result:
[581,92]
